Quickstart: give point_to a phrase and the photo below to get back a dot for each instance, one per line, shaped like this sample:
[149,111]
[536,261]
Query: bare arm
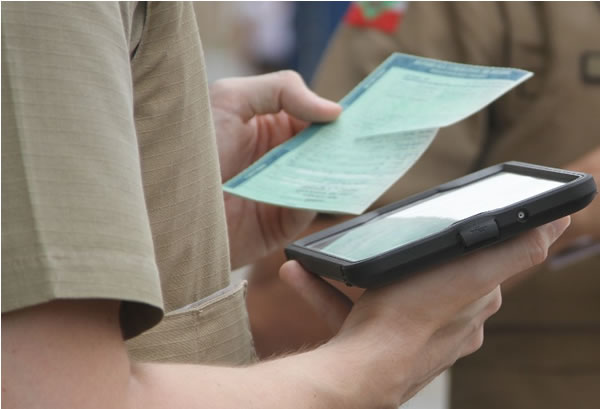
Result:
[394,340]
[68,354]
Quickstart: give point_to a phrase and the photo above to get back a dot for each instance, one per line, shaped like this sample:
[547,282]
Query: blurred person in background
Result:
[314,24]
[541,350]
[266,31]
[273,35]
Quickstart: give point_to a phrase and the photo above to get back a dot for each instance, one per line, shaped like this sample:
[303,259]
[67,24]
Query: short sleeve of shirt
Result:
[74,219]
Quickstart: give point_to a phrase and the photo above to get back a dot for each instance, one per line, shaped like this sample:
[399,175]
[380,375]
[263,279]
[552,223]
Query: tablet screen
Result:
[432,215]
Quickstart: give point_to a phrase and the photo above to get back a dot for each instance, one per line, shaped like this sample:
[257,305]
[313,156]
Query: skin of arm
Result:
[389,345]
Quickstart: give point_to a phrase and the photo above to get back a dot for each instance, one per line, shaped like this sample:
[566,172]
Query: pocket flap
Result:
[213,330]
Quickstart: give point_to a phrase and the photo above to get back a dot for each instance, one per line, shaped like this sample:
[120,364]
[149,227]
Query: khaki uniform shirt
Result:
[110,177]
[541,349]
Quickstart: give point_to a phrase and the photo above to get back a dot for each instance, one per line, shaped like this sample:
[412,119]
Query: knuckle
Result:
[219,87]
[479,338]
[475,341]
[291,76]
[537,248]
[495,303]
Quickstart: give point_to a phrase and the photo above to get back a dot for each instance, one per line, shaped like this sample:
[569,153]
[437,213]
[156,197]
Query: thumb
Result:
[322,297]
[281,91]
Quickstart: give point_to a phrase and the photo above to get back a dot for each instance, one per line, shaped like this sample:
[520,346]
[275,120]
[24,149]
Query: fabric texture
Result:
[111,178]
[541,348]
[182,186]
[74,220]
[212,331]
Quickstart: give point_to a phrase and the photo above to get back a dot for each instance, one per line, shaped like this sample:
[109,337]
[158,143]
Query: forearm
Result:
[395,339]
[315,379]
[70,354]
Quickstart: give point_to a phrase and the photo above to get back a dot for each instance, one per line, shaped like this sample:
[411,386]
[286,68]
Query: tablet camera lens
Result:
[522,215]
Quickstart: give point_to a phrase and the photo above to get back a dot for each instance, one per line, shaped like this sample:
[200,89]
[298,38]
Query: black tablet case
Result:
[462,237]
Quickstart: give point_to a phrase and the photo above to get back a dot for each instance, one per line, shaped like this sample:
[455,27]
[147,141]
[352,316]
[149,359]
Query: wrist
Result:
[378,370]
[343,375]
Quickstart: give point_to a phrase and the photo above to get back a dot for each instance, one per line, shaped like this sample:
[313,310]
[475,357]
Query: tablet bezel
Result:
[577,192]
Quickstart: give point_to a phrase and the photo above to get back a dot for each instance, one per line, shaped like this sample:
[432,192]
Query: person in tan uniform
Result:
[541,350]
[114,229]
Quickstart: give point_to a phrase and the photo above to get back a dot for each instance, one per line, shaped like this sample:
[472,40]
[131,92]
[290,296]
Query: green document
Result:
[388,121]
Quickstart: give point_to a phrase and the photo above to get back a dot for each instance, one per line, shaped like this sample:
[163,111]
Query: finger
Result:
[474,338]
[482,271]
[297,125]
[294,221]
[323,298]
[461,328]
[476,313]
[283,90]
[490,305]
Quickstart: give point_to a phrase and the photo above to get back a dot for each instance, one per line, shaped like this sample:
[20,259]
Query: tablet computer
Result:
[466,214]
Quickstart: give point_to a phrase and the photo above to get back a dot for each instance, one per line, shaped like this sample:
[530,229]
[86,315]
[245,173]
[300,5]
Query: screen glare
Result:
[432,215]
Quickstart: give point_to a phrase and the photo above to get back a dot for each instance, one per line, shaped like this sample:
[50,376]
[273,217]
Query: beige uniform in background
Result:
[110,177]
[542,349]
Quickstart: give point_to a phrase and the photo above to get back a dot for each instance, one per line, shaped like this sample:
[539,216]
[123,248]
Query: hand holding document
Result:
[388,121]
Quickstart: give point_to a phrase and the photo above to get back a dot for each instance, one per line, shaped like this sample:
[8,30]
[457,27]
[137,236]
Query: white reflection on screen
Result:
[433,215]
